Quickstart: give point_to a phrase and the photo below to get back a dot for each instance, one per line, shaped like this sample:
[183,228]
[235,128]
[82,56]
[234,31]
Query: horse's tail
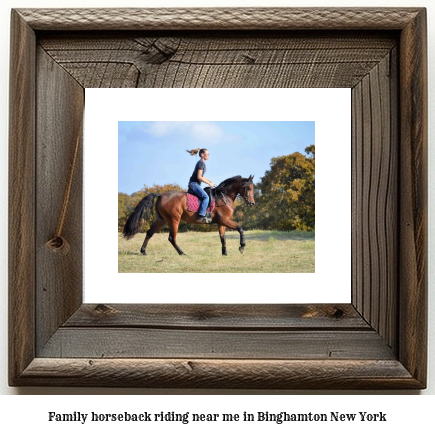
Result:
[134,222]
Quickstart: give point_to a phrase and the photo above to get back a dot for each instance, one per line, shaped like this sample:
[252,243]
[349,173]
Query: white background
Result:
[409,413]
[329,108]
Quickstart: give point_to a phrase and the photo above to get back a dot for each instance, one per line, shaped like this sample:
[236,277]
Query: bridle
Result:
[245,195]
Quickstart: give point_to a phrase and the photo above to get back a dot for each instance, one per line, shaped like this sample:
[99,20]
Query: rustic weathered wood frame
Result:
[377,341]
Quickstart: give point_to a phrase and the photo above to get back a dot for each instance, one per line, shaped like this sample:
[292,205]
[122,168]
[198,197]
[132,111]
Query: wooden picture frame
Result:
[377,341]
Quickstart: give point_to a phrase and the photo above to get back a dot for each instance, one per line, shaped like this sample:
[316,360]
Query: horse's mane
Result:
[229,183]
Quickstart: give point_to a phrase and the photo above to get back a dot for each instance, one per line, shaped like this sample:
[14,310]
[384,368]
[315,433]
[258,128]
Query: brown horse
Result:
[171,207]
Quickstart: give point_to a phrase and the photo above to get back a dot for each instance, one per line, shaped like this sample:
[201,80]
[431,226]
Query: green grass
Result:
[265,252]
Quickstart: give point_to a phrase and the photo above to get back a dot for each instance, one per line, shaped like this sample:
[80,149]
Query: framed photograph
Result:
[280,246]
[57,337]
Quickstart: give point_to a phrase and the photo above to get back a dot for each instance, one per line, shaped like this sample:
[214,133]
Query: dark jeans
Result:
[202,195]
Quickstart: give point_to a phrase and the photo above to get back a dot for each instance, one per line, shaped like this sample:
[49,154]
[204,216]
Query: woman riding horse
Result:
[171,208]
[195,184]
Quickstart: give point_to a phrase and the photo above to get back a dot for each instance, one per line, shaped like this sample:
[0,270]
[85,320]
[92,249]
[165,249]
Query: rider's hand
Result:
[212,184]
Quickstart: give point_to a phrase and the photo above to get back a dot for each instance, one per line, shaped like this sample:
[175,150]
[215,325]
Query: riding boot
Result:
[204,219]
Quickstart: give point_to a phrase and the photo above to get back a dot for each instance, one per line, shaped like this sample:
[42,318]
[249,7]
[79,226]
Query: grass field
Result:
[265,252]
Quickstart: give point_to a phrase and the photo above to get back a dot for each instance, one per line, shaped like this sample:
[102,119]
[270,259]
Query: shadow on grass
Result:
[275,236]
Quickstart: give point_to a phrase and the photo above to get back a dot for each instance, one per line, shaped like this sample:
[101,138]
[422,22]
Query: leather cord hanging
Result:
[59,244]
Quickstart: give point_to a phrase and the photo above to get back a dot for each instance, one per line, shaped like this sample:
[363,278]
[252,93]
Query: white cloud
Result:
[196,130]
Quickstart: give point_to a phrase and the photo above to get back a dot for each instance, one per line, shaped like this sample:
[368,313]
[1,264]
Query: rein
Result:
[224,193]
[245,196]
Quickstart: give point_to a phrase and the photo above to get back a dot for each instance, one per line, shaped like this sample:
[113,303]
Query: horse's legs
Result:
[155,227]
[173,229]
[232,225]
[222,230]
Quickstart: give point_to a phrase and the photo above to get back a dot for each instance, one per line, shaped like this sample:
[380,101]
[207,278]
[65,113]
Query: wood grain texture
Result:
[235,60]
[59,280]
[270,317]
[220,18]
[375,198]
[22,229]
[413,196]
[229,374]
[95,342]
[378,342]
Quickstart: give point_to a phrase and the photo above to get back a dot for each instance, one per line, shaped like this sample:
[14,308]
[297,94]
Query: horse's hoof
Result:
[225,254]
[241,250]
[143,252]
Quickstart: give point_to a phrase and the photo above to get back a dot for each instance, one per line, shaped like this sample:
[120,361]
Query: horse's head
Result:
[247,190]
[238,186]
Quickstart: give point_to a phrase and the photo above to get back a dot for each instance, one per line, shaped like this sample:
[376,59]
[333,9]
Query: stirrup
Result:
[204,219]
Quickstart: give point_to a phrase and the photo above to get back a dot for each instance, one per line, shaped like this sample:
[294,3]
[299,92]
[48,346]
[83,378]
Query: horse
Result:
[171,208]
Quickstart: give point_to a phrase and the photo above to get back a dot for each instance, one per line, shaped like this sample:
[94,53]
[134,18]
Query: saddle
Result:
[193,200]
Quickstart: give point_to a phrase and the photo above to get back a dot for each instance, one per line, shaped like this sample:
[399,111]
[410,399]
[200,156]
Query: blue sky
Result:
[155,152]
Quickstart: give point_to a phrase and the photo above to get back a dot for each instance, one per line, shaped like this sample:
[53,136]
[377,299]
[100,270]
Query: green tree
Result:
[288,191]
[285,195]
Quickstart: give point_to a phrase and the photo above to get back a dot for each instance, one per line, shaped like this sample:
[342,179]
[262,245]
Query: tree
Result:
[285,195]
[124,209]
[288,191]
